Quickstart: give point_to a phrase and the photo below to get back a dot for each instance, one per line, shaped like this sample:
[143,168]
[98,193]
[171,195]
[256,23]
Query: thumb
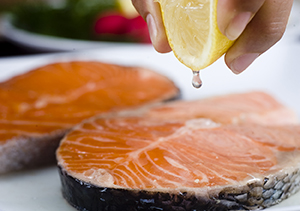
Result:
[150,11]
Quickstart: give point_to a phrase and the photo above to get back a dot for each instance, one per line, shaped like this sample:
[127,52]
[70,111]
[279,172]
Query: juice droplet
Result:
[197,83]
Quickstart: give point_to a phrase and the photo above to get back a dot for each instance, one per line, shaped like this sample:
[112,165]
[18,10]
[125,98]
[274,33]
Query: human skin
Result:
[256,25]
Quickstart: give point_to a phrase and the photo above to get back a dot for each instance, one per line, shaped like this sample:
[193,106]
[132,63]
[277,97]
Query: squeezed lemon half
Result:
[193,33]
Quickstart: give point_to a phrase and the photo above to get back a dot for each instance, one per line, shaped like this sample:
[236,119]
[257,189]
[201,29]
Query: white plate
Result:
[50,43]
[276,72]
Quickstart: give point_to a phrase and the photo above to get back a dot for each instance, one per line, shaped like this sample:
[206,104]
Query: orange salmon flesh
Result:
[184,144]
[58,96]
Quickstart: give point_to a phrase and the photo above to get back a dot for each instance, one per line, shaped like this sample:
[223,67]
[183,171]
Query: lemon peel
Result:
[127,9]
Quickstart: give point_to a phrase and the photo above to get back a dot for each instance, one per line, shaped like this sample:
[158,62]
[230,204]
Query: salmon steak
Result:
[37,108]
[233,152]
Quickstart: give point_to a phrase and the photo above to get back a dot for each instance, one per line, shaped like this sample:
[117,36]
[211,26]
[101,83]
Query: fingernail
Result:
[237,25]
[151,27]
[242,62]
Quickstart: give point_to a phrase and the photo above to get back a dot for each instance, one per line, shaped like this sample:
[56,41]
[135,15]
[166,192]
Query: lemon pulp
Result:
[193,33]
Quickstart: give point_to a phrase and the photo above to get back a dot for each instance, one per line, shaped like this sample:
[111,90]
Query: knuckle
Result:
[273,32]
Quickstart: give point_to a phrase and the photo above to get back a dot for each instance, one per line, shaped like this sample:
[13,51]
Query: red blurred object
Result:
[113,23]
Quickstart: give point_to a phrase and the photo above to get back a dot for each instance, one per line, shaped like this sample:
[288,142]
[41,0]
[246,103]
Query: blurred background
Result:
[39,26]
[42,26]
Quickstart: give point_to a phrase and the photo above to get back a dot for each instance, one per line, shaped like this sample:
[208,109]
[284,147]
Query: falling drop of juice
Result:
[197,83]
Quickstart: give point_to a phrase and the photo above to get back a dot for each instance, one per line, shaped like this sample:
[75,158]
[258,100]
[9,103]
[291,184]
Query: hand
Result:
[256,24]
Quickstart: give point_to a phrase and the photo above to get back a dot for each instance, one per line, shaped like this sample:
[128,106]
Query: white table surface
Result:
[276,72]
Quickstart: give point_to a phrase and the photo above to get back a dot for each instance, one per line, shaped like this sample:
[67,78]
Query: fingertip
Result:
[162,46]
[152,28]
[241,63]
[237,25]
[150,11]
[157,35]
[233,16]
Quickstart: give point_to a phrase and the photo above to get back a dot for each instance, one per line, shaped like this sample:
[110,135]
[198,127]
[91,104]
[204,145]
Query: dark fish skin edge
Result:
[257,195]
[178,96]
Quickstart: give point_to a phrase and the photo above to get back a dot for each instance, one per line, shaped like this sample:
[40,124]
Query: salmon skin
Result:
[233,152]
[37,108]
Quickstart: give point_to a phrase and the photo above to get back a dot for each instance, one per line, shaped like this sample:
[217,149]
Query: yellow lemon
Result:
[127,8]
[192,31]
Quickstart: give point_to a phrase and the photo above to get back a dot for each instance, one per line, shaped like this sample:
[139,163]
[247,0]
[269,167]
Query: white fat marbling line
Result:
[97,147]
